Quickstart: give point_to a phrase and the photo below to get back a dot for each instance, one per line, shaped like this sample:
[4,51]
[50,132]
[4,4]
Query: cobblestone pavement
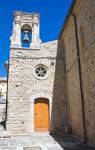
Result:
[42,142]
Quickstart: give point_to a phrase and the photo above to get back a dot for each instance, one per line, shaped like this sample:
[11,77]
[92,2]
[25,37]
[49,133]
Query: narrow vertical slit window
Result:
[82,38]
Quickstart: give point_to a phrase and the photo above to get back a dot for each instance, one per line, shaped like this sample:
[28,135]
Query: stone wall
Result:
[86,17]
[3,90]
[85,14]
[2,112]
[72,80]
[24,88]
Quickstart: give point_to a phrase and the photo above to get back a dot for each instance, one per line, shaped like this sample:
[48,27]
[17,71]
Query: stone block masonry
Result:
[24,87]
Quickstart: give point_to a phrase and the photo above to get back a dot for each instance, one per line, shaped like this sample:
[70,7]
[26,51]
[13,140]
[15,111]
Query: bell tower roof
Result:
[24,21]
[25,13]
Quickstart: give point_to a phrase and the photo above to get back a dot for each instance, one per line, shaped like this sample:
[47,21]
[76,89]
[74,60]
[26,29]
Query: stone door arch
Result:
[32,117]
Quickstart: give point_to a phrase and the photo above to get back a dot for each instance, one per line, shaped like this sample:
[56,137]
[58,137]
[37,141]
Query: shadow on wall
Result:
[72,143]
[59,116]
[59,112]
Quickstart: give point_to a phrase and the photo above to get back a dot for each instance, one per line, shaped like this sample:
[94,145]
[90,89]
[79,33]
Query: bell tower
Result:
[28,24]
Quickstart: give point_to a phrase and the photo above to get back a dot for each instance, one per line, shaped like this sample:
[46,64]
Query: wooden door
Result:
[41,115]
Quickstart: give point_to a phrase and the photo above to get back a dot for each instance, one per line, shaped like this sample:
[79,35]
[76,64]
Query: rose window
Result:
[41,71]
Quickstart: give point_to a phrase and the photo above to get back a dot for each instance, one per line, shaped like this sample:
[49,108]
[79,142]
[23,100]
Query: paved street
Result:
[71,143]
[42,142]
[34,142]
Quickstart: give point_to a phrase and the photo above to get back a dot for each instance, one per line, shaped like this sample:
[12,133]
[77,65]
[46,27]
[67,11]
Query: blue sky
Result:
[52,12]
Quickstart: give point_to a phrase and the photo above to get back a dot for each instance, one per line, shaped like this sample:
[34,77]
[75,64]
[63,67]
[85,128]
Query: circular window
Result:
[40,72]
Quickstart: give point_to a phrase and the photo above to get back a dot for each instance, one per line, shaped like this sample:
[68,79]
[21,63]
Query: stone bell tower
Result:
[35,94]
[24,22]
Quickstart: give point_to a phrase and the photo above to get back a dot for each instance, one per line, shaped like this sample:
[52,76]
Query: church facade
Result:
[51,85]
[33,100]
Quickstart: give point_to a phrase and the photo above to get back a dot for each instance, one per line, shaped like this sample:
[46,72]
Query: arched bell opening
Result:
[26,35]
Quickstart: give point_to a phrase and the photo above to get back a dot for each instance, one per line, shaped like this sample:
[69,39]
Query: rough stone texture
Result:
[87,18]
[24,88]
[72,83]
[3,89]
[85,13]
[2,112]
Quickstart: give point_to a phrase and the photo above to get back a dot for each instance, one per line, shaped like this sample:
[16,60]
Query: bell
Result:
[26,39]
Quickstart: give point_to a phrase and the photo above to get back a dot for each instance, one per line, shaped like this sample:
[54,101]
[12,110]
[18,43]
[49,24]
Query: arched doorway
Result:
[41,115]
